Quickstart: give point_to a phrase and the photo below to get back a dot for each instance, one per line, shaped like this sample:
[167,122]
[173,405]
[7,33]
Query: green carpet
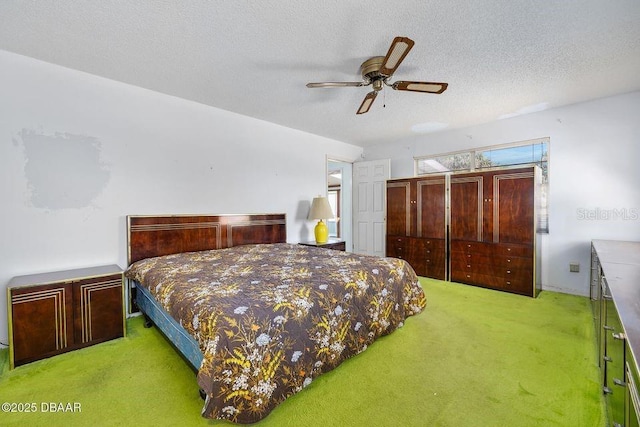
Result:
[474,357]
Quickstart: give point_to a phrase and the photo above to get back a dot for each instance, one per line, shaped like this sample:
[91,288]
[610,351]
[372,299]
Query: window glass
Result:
[509,156]
[524,153]
[446,163]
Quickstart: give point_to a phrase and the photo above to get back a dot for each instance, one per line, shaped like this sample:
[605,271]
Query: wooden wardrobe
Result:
[477,228]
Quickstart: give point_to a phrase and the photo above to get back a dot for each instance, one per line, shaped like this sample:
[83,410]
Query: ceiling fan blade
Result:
[400,47]
[366,103]
[336,84]
[426,87]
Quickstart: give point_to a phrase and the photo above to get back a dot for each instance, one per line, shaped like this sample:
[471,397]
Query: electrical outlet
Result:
[574,268]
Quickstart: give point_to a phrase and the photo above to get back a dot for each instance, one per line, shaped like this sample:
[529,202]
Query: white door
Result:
[369,206]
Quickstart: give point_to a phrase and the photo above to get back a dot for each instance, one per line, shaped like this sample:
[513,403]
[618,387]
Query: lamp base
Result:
[322,232]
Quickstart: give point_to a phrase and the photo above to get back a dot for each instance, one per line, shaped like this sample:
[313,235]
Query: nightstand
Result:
[332,243]
[53,313]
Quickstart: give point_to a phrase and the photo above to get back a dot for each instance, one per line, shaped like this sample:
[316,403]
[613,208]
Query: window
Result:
[533,152]
[445,163]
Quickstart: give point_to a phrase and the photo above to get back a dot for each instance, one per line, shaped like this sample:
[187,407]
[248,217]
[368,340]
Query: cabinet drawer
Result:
[395,246]
[467,246]
[474,278]
[518,285]
[461,276]
[516,275]
[514,250]
[434,244]
[515,263]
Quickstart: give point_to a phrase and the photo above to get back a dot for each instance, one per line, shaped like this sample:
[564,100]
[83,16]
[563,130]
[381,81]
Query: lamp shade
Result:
[320,208]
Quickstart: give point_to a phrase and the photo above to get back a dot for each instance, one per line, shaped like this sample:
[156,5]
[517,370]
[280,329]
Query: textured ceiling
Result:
[500,58]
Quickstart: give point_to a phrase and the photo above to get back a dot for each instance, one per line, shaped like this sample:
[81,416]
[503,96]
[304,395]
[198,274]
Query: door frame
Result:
[346,197]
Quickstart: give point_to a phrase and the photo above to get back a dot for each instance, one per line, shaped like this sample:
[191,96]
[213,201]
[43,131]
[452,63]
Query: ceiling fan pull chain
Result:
[384,97]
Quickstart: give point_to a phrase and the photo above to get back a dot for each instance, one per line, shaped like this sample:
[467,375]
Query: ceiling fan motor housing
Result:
[371,72]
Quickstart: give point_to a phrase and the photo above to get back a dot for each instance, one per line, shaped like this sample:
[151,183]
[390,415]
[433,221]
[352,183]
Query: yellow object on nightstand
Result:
[321,232]
[321,209]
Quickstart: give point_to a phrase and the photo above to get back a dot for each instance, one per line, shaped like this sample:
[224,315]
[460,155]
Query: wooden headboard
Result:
[150,236]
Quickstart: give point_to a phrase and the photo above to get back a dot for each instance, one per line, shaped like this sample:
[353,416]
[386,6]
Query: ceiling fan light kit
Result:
[378,70]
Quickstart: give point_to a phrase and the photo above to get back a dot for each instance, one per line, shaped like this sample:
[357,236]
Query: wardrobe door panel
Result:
[398,209]
[514,208]
[466,208]
[431,208]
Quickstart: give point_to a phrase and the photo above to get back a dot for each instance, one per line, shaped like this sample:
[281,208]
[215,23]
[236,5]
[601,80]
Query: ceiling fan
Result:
[377,71]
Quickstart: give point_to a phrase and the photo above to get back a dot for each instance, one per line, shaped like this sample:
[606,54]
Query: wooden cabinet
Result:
[493,220]
[426,256]
[476,228]
[52,313]
[416,228]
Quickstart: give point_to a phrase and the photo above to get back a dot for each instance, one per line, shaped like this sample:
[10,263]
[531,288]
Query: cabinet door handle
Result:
[607,328]
[619,336]
[619,382]
[606,359]
[606,390]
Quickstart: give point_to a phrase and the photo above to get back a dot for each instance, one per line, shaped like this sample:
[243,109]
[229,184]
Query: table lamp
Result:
[320,209]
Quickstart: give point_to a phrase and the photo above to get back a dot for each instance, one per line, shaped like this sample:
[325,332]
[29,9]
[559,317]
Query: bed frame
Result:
[150,236]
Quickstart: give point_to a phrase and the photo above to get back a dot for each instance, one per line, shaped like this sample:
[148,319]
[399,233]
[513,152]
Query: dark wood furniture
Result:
[492,229]
[416,224]
[53,313]
[615,293]
[155,235]
[476,228]
[332,243]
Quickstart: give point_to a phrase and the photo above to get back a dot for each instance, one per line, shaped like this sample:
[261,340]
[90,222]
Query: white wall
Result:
[594,175]
[78,153]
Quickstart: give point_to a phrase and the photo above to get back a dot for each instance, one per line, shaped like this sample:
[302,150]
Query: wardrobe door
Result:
[514,210]
[466,207]
[431,207]
[399,208]
[42,321]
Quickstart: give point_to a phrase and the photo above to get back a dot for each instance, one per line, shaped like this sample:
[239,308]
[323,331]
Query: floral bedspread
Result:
[271,318]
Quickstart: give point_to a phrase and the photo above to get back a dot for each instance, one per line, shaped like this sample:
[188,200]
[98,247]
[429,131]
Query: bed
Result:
[258,318]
